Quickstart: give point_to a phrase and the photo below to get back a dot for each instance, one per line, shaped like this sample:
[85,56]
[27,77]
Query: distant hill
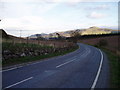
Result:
[7,36]
[96,30]
[89,31]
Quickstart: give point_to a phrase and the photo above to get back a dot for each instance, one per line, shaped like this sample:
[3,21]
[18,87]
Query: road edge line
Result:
[98,73]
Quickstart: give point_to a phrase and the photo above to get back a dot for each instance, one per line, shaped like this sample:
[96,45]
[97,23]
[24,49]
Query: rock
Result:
[30,53]
[36,54]
[46,53]
[6,52]
[22,55]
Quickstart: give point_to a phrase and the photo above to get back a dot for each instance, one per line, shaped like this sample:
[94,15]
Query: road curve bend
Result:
[86,67]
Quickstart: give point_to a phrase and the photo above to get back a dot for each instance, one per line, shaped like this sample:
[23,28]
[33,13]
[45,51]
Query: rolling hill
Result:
[89,31]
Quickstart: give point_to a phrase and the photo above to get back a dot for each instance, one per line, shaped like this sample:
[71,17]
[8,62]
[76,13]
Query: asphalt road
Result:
[86,67]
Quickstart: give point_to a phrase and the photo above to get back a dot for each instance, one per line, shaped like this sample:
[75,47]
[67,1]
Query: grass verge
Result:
[114,68]
[34,58]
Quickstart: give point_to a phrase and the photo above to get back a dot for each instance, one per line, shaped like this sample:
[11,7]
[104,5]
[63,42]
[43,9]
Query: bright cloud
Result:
[96,15]
[99,7]
[22,22]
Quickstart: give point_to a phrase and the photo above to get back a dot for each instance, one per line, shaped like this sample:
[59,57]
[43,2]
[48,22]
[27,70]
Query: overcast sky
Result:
[46,16]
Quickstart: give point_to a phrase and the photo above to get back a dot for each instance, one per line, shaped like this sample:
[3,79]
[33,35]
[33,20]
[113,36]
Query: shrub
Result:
[102,42]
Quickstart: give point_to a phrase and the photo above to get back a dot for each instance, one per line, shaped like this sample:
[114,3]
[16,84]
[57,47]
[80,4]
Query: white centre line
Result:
[98,73]
[18,82]
[64,63]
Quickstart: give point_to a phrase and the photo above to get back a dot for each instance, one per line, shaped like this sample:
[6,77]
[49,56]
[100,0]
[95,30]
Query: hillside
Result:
[89,31]
[96,30]
[7,36]
[4,34]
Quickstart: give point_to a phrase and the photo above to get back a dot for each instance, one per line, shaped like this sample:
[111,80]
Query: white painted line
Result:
[11,69]
[98,73]
[8,69]
[18,67]
[18,82]
[64,63]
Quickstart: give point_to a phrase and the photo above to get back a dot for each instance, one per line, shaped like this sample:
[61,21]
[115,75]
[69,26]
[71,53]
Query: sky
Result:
[46,16]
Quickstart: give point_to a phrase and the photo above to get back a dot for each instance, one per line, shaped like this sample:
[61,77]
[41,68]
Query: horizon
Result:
[36,16]
[20,31]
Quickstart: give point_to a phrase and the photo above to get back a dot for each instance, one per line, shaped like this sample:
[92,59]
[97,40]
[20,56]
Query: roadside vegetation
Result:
[21,52]
[113,62]
[114,68]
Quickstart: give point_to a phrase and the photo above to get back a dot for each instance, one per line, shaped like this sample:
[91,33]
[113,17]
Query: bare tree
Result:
[59,36]
[75,35]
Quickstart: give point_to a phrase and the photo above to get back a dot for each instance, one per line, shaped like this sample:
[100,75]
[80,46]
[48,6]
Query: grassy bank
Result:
[114,68]
[35,58]
[14,47]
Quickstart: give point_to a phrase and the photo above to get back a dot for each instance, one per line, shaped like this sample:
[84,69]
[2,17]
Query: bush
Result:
[102,42]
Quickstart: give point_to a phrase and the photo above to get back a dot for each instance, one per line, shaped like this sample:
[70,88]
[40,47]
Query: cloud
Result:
[17,9]
[95,15]
[102,7]
[22,23]
[99,7]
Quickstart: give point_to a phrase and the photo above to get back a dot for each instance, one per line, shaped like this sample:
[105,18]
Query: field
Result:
[112,42]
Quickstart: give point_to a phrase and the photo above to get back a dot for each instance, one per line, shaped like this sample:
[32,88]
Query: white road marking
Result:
[18,67]
[64,63]
[98,73]
[11,69]
[18,82]
[8,69]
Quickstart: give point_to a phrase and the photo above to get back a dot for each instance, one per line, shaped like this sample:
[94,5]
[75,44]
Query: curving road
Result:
[86,67]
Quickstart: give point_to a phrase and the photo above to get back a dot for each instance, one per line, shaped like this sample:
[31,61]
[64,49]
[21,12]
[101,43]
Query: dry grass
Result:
[112,43]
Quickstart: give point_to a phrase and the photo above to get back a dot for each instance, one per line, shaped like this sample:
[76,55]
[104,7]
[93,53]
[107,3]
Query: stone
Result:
[6,52]
[22,55]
